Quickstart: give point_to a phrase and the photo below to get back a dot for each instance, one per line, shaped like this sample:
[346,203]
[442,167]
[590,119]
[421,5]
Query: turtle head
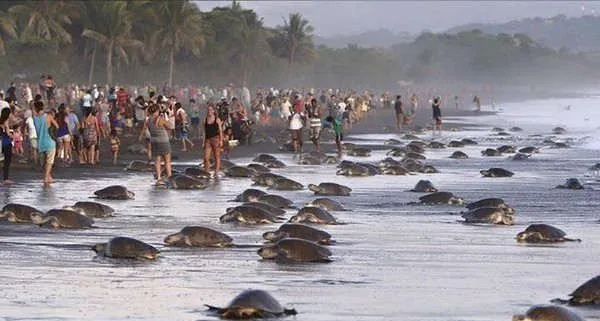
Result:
[529,237]
[173,239]
[130,194]
[99,248]
[229,216]
[37,218]
[520,317]
[507,220]
[341,171]
[268,252]
[457,201]
[313,188]
[485,172]
[274,236]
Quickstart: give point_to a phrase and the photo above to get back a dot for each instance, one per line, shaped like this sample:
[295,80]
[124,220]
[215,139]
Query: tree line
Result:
[174,42]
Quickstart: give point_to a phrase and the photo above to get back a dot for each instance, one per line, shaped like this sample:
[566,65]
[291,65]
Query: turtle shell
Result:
[129,248]
[436,198]
[547,231]
[587,293]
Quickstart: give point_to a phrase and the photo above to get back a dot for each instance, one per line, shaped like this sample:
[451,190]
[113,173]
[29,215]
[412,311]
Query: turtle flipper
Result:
[560,301]
[571,240]
[213,308]
[290,311]
[281,258]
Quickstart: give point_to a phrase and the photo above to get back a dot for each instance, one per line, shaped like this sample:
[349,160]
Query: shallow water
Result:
[393,260]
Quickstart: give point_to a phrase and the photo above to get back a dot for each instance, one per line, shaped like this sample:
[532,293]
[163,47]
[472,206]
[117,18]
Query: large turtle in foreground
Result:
[252,304]
[547,313]
[62,218]
[18,213]
[121,247]
[586,294]
[543,233]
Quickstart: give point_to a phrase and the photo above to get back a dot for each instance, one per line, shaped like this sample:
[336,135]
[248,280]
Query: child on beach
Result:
[115,143]
[337,129]
[18,140]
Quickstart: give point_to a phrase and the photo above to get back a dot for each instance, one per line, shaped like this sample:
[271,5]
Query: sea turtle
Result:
[353,169]
[491,202]
[313,214]
[18,213]
[558,131]
[410,137]
[330,189]
[397,152]
[199,236]
[300,231]
[428,169]
[327,204]
[459,155]
[490,152]
[496,172]
[411,165]
[529,150]
[249,195]
[275,164]
[503,134]
[263,158]
[265,179]
[456,143]
[515,129]
[488,215]
[543,233]
[415,148]
[252,304]
[286,184]
[359,152]
[387,162]
[586,294]
[507,149]
[139,166]
[519,156]
[239,171]
[414,155]
[424,186]
[62,218]
[196,172]
[114,192]
[436,145]
[468,141]
[594,168]
[373,170]
[395,170]
[121,247]
[182,181]
[392,141]
[258,168]
[497,129]
[571,183]
[249,215]
[309,160]
[560,145]
[330,160]
[547,313]
[92,209]
[275,200]
[267,207]
[441,198]
[294,250]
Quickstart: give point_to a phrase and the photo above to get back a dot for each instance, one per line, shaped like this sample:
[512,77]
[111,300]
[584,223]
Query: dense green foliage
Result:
[173,42]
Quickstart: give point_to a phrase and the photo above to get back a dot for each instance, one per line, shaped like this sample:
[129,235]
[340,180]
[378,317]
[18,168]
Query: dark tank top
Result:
[437,113]
[211,130]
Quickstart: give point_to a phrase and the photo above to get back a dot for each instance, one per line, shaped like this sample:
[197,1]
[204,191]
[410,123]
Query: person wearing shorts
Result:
[399,113]
[295,125]
[437,114]
[314,116]
[213,139]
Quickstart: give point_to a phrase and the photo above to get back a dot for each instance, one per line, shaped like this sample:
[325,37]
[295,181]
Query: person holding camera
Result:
[159,127]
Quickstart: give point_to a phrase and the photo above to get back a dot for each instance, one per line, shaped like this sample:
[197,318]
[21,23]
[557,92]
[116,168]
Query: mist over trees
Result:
[173,42]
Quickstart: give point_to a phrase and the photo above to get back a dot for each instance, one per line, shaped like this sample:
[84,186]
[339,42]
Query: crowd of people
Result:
[50,123]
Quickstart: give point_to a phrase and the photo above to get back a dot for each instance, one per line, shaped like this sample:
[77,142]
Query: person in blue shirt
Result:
[46,145]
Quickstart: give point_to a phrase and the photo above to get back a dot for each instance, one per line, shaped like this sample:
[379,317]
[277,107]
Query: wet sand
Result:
[393,260]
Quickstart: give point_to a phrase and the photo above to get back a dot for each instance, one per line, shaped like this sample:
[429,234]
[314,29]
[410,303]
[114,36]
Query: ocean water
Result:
[393,260]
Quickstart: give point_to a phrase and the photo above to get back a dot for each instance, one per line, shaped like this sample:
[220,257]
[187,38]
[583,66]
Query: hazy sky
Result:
[351,17]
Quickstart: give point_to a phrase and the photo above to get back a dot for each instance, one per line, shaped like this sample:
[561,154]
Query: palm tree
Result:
[294,40]
[7,28]
[180,29]
[44,20]
[113,32]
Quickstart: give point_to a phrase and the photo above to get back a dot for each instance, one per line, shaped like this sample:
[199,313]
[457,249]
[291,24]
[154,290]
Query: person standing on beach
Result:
[437,114]
[7,143]
[46,144]
[296,123]
[91,132]
[477,102]
[213,139]
[314,116]
[338,132]
[158,126]
[399,114]
[182,127]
